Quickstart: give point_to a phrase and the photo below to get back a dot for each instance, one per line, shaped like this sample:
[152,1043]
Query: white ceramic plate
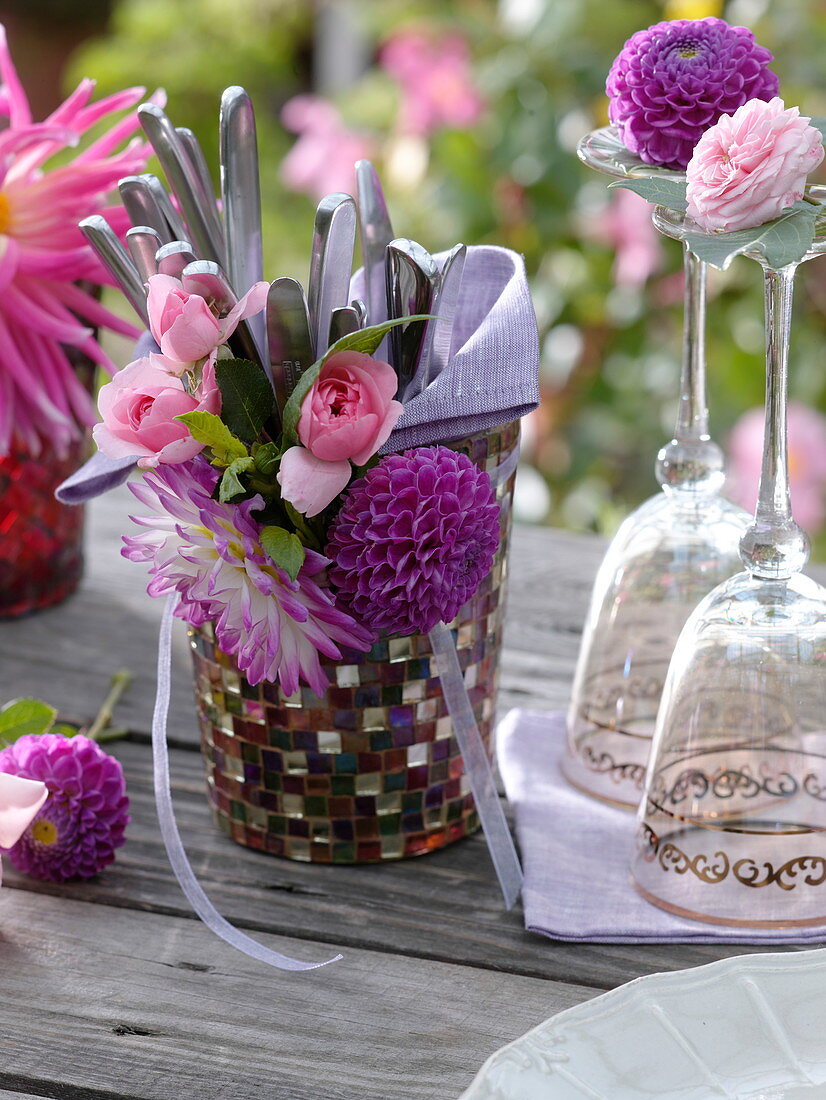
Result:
[748,1028]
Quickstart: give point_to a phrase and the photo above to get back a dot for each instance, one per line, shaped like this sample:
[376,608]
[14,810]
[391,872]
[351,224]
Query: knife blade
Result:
[439,330]
[376,234]
[412,279]
[183,180]
[114,256]
[288,336]
[241,193]
[331,264]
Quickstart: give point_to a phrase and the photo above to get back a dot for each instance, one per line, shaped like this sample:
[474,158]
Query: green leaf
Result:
[231,485]
[365,340]
[663,192]
[267,457]
[210,429]
[22,716]
[284,548]
[246,397]
[66,729]
[782,241]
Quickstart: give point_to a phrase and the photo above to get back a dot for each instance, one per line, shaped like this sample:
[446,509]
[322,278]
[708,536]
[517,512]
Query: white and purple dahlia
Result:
[414,539]
[210,554]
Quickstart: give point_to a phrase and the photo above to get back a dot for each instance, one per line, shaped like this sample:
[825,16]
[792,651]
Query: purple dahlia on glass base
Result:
[414,539]
[673,80]
[82,822]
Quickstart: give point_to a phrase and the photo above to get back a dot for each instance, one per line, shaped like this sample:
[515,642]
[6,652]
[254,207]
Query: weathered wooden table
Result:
[114,988]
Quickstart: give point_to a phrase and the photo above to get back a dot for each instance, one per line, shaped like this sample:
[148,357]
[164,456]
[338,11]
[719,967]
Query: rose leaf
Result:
[246,397]
[783,241]
[661,191]
[24,716]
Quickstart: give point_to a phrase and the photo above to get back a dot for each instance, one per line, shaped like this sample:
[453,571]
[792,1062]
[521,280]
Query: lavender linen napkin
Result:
[492,375]
[575,852]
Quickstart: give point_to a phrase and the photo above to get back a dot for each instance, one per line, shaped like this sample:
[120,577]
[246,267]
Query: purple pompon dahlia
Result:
[210,554]
[413,540]
[672,81]
[81,823]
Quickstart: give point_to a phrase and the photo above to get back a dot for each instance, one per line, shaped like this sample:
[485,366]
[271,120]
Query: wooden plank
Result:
[444,906]
[148,1006]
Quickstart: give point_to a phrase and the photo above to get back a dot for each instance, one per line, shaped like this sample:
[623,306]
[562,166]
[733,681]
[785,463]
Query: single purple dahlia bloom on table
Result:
[673,80]
[82,822]
[414,539]
[210,555]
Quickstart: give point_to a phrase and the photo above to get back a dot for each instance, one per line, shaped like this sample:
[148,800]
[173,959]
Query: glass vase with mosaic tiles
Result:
[371,770]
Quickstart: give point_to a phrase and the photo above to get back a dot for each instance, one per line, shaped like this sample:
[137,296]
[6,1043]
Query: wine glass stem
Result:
[774,547]
[691,464]
[692,414]
[774,499]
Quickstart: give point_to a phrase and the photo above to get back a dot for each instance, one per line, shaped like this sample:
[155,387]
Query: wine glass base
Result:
[733,820]
[724,922]
[665,557]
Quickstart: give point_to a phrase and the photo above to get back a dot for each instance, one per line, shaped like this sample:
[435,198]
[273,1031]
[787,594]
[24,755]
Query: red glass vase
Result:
[41,540]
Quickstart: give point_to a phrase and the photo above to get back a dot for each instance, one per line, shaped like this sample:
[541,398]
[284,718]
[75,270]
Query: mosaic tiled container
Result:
[371,771]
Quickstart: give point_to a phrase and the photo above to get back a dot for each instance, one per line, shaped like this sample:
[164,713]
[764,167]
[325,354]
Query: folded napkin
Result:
[492,375]
[576,850]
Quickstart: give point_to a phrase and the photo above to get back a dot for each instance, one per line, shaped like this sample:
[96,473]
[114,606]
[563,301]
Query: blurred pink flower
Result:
[807,462]
[435,79]
[626,225]
[43,255]
[323,158]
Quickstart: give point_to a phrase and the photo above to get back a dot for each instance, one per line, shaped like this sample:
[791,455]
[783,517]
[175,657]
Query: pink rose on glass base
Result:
[751,166]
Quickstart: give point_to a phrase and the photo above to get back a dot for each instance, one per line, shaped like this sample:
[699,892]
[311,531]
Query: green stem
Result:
[118,684]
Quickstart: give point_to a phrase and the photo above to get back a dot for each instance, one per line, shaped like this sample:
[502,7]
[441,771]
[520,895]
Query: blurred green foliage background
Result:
[611,353]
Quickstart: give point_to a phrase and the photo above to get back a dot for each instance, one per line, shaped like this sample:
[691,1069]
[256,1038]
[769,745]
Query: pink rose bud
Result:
[184,326]
[350,411]
[139,406]
[751,165]
[310,483]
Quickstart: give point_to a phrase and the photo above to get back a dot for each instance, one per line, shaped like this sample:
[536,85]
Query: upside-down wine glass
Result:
[732,826]
[667,555]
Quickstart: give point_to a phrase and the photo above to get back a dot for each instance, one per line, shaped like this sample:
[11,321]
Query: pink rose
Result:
[751,165]
[310,483]
[184,326]
[139,407]
[350,411]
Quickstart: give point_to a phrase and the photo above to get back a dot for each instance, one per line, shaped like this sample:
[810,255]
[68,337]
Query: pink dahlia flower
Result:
[82,822]
[43,255]
[414,539]
[210,554]
[436,81]
[673,80]
[807,462]
[751,166]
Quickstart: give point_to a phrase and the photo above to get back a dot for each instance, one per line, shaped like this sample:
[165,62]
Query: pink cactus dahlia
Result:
[43,256]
